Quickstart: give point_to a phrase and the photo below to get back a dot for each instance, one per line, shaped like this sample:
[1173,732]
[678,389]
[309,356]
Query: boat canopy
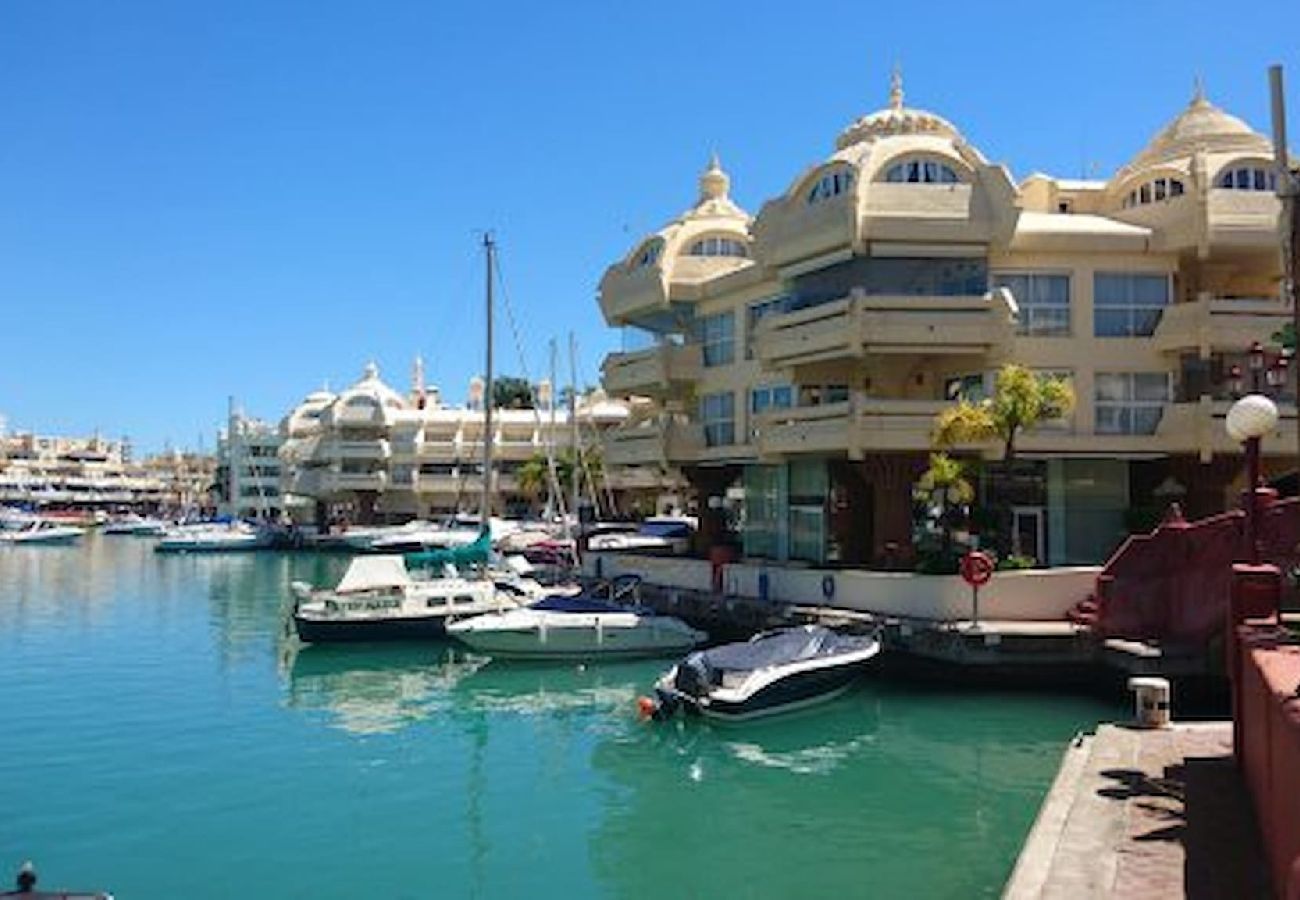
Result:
[472,554]
[776,649]
[582,603]
[369,573]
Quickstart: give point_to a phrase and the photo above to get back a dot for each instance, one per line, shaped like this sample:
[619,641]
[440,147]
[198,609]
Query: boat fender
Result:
[828,586]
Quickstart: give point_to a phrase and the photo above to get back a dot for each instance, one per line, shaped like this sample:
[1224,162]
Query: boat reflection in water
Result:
[382,688]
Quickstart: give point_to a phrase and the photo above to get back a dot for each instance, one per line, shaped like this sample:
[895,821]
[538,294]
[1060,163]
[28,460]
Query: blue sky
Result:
[251,197]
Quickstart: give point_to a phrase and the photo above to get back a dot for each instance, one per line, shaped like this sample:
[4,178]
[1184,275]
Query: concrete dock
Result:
[1145,814]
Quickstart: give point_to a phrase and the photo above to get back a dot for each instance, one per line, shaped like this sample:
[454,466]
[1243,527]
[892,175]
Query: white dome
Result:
[894,120]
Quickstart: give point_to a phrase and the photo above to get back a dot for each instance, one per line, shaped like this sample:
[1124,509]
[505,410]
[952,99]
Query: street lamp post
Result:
[1249,419]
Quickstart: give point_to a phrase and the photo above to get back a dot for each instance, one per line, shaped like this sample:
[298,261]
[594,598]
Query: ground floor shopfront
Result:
[1059,510]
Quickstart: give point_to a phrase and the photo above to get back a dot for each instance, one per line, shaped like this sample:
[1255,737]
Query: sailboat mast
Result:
[573,424]
[485,508]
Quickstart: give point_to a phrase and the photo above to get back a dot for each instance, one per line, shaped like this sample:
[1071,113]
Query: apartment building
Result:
[249,468]
[797,358]
[371,453]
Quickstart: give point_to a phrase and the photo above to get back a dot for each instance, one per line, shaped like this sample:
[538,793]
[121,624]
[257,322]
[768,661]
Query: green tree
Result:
[511,392]
[1021,400]
[943,491]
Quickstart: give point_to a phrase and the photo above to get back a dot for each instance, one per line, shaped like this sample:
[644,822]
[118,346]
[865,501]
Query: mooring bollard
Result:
[1151,700]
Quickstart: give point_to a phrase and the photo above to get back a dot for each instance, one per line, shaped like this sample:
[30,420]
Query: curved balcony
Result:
[790,230]
[378,449]
[859,324]
[626,295]
[354,481]
[1210,324]
[653,372]
[1242,219]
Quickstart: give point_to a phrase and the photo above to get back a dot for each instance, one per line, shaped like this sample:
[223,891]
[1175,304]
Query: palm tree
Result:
[944,486]
[1021,400]
[534,476]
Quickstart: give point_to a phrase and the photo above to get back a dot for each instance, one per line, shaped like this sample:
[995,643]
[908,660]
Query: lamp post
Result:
[1249,419]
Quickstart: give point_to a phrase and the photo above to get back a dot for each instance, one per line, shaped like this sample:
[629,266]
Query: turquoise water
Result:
[162,738]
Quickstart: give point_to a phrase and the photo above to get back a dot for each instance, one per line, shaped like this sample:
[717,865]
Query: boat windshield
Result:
[666,529]
[582,603]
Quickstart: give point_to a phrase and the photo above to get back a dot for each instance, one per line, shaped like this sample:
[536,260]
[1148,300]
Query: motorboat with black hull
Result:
[597,624]
[774,672]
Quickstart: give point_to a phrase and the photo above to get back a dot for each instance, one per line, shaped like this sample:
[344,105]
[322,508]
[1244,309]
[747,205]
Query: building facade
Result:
[370,453]
[798,358]
[249,471]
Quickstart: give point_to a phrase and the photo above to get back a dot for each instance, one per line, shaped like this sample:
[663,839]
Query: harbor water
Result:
[163,737]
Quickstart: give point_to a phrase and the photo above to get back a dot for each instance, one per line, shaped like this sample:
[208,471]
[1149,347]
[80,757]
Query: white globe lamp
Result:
[1253,416]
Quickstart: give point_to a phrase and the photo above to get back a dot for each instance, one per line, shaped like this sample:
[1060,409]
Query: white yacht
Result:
[597,624]
[212,537]
[134,524]
[377,599]
[40,531]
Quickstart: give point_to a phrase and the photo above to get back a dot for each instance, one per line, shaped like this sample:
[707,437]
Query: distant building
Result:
[249,472]
[797,359]
[371,454]
[188,480]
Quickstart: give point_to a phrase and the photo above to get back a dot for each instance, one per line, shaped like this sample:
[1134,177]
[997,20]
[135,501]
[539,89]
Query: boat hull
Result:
[322,631]
[787,695]
[575,643]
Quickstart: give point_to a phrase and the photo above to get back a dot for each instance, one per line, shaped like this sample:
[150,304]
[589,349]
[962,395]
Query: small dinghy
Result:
[774,672]
[27,890]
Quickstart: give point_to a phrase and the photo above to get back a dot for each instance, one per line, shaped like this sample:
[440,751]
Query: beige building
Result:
[798,357]
[371,453]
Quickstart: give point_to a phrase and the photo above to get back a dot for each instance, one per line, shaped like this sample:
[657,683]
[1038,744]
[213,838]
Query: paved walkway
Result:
[1145,814]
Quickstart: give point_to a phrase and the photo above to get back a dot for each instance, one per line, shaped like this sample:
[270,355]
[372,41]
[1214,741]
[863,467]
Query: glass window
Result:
[717,336]
[718,246]
[921,171]
[1252,178]
[971,388]
[831,184]
[718,415]
[1130,402]
[1043,299]
[757,312]
[649,254]
[772,396]
[1154,192]
[1128,304]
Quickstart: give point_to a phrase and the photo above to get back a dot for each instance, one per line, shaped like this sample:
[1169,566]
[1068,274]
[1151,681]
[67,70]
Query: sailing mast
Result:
[573,422]
[485,508]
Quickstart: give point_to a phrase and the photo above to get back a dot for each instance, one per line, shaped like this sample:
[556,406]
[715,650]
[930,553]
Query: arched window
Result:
[831,184]
[921,171]
[649,255]
[1247,178]
[718,246]
[1153,192]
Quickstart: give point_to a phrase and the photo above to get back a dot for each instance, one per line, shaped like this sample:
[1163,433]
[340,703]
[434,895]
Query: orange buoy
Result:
[646,707]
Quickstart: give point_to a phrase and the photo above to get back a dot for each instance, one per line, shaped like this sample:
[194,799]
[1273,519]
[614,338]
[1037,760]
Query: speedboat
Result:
[583,626]
[378,600]
[773,672]
[41,532]
[212,537]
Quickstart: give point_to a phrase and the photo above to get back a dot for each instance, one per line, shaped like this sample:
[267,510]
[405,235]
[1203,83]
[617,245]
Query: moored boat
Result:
[213,537]
[586,626]
[774,672]
[378,600]
[41,532]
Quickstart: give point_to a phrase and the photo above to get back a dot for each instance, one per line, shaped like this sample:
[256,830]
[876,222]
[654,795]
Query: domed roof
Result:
[370,386]
[715,200]
[1201,126]
[894,120]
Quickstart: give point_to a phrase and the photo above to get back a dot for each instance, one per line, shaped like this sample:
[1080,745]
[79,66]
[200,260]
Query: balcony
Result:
[1210,324]
[655,442]
[369,449]
[354,481]
[854,326]
[652,372]
[626,294]
[1242,219]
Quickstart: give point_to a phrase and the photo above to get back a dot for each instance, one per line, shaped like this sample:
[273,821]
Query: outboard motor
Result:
[693,676]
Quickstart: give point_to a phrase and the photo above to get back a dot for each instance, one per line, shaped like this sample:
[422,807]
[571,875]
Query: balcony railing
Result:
[370,449]
[662,442]
[652,372]
[1210,324]
[859,324]
[355,481]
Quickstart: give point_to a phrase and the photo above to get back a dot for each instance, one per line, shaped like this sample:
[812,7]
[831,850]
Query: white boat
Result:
[777,671]
[133,524]
[212,537]
[41,532]
[658,535]
[591,625]
[377,599]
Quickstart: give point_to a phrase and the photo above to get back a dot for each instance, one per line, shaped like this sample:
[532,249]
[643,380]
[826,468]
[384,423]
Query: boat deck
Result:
[1144,814]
